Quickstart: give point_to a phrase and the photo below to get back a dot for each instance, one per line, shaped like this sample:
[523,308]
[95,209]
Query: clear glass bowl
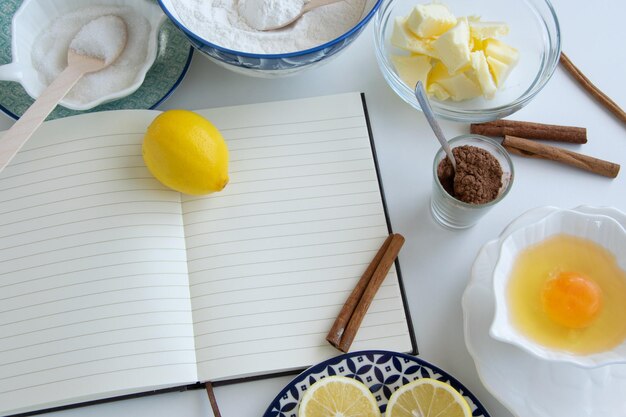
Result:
[534,31]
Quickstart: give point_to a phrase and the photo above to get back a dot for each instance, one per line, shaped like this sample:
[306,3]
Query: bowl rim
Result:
[443,110]
[501,329]
[355,29]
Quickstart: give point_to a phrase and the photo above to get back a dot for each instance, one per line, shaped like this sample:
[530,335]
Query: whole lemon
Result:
[186,152]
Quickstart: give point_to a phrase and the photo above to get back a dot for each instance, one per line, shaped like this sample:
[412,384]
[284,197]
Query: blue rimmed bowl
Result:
[272,65]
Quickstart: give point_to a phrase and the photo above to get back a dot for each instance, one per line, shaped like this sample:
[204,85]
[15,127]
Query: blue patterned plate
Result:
[169,68]
[382,371]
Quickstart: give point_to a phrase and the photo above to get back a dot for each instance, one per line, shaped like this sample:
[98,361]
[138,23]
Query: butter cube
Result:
[501,51]
[403,38]
[476,44]
[484,30]
[438,72]
[501,58]
[453,48]
[412,69]
[459,86]
[430,20]
[499,69]
[483,75]
[438,91]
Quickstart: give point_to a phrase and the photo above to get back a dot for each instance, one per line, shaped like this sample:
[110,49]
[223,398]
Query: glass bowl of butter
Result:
[480,60]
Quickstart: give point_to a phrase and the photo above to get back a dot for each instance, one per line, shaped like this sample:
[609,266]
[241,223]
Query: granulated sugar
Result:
[103,38]
[219,22]
[49,54]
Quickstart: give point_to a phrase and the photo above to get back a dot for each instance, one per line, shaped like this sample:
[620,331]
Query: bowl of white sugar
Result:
[42,31]
[226,32]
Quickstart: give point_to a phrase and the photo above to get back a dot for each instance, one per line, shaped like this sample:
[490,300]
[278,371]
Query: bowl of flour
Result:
[225,31]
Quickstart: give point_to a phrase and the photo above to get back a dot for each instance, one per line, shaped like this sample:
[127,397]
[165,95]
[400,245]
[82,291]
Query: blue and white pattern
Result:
[272,65]
[382,371]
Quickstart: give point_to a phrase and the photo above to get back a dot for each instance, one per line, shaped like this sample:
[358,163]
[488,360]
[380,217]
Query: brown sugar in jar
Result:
[478,176]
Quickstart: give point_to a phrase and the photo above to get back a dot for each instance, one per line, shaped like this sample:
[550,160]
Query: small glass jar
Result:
[456,214]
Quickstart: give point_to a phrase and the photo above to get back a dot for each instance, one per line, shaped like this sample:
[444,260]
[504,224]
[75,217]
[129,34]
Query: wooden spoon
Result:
[87,53]
[308,6]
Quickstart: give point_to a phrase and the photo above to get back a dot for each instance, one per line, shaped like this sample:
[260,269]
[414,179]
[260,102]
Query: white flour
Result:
[266,14]
[219,22]
[49,54]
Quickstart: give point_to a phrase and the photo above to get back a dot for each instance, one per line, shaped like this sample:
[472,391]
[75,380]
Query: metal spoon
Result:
[420,94]
[308,6]
[79,63]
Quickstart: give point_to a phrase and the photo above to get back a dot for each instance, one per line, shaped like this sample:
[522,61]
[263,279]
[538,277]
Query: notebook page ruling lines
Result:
[273,257]
[93,284]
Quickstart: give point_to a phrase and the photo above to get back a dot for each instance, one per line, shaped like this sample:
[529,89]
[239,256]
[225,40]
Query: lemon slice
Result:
[338,396]
[427,397]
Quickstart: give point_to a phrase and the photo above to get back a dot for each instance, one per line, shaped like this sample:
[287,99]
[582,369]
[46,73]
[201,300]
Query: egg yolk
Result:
[571,300]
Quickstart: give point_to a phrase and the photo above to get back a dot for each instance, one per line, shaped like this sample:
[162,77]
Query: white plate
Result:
[526,385]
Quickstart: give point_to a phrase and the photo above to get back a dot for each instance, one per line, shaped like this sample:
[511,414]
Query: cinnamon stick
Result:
[212,400]
[530,130]
[595,92]
[380,272]
[531,149]
[337,330]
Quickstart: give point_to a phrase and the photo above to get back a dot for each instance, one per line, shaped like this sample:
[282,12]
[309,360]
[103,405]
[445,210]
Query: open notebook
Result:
[111,284]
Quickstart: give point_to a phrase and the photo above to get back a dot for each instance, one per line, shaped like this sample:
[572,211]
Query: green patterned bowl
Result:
[173,56]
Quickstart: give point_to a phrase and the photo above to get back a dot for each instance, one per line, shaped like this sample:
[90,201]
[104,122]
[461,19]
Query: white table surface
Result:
[435,261]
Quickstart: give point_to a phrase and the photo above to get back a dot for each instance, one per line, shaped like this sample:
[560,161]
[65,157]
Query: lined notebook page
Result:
[94,298]
[273,257]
